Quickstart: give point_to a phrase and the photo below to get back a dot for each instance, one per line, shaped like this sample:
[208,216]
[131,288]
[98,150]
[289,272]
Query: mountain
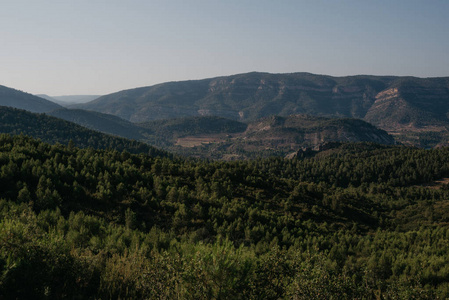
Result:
[18,99]
[54,130]
[219,138]
[69,100]
[414,109]
[100,122]
[247,97]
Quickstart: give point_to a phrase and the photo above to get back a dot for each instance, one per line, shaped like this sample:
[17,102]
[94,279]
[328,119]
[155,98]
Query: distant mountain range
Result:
[70,99]
[383,100]
[195,115]
[400,105]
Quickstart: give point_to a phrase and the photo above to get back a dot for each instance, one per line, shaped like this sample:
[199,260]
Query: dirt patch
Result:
[194,141]
[437,184]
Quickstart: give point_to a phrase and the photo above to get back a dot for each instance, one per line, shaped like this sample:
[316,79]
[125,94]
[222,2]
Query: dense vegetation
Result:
[53,130]
[351,222]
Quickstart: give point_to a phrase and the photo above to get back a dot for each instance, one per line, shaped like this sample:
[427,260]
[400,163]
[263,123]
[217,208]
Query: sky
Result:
[74,47]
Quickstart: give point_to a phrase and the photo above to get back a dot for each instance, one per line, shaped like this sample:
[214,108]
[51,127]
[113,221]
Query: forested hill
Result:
[360,221]
[100,122]
[53,130]
[18,99]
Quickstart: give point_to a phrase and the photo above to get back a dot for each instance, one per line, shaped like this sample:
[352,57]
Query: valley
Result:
[224,150]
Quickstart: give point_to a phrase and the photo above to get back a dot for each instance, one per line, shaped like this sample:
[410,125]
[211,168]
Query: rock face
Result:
[411,103]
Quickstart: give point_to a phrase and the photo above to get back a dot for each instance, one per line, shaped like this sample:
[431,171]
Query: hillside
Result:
[100,122]
[54,130]
[18,99]
[219,138]
[361,221]
[310,131]
[246,97]
[200,136]
[165,133]
[399,105]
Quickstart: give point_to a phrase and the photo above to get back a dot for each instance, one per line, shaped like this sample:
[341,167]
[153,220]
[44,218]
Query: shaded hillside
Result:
[54,130]
[100,122]
[18,99]
[265,137]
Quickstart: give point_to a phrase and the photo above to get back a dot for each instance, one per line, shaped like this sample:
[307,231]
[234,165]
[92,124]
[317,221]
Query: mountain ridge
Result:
[401,105]
[54,130]
[267,94]
[18,99]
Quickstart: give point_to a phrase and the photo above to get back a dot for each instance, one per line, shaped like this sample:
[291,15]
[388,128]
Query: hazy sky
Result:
[64,47]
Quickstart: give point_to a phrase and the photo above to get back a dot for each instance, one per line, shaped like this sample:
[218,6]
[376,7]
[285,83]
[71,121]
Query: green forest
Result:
[361,221]
[54,130]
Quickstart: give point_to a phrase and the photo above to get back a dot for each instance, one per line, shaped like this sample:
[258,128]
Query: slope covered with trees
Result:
[54,130]
[18,99]
[231,139]
[352,222]
[100,122]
